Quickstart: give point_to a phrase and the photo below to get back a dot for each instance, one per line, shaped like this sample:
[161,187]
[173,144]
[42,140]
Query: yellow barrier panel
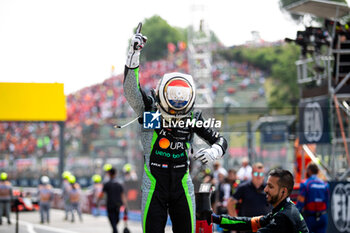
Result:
[32,102]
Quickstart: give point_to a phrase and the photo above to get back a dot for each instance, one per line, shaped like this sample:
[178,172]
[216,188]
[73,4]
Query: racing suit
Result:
[166,184]
[284,218]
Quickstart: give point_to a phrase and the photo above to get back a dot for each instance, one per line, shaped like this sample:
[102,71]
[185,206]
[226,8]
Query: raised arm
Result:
[132,90]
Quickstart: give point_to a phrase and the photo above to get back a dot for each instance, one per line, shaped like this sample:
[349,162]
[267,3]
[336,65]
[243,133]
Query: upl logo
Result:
[151,120]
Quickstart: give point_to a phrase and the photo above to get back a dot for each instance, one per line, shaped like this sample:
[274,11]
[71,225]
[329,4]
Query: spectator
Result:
[245,172]
[218,169]
[45,197]
[313,200]
[115,199]
[218,172]
[232,180]
[222,194]
[5,197]
[224,191]
[251,196]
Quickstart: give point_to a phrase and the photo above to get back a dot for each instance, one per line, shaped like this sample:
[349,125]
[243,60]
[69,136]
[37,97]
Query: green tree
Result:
[159,34]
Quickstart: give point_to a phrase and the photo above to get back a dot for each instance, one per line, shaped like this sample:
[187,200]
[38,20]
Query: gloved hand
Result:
[211,217]
[209,155]
[265,220]
[125,214]
[215,218]
[260,221]
[137,42]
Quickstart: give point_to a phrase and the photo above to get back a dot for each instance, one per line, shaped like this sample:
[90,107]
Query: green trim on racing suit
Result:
[150,194]
[229,221]
[153,182]
[188,197]
[136,72]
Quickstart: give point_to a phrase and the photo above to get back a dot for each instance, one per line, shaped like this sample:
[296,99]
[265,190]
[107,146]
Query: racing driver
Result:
[167,186]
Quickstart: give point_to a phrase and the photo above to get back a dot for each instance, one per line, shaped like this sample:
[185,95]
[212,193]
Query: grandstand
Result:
[90,138]
[242,83]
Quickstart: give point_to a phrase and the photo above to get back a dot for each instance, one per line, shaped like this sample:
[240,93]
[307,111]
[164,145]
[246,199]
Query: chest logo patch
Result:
[164,143]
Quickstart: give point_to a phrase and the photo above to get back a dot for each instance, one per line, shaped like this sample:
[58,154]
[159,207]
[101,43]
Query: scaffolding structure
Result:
[326,76]
[199,55]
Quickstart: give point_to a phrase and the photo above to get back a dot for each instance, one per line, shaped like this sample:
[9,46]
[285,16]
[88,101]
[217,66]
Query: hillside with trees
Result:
[279,62]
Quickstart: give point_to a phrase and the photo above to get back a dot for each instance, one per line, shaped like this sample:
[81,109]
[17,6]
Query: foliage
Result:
[279,62]
[159,34]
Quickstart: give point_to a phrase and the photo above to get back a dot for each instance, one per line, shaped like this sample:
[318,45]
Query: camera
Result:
[311,40]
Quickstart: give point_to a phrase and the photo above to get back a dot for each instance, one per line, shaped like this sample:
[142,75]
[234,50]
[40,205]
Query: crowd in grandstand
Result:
[233,72]
[102,103]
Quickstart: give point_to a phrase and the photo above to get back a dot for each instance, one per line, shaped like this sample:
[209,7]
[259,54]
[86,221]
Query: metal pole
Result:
[331,94]
[17,217]
[61,151]
[250,144]
[302,164]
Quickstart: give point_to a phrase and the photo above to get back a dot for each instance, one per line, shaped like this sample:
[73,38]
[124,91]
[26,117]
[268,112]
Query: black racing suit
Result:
[166,185]
[284,218]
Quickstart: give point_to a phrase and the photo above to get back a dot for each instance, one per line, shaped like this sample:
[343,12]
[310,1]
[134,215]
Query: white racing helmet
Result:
[176,95]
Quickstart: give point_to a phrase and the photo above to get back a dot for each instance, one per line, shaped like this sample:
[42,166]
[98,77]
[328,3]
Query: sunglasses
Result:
[258,174]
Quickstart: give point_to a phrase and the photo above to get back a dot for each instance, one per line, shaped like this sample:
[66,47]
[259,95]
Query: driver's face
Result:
[272,190]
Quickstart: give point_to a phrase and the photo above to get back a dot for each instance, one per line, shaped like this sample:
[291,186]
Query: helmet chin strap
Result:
[165,115]
[168,117]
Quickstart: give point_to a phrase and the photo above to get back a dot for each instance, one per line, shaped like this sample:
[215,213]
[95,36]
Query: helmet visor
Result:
[178,94]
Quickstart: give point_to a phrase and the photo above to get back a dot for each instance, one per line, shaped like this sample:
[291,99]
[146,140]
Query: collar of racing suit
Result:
[280,205]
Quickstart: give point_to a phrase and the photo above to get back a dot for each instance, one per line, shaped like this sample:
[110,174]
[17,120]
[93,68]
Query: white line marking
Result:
[30,227]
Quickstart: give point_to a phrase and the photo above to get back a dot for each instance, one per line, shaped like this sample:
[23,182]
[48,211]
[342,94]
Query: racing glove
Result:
[136,45]
[260,221]
[265,220]
[215,219]
[210,154]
